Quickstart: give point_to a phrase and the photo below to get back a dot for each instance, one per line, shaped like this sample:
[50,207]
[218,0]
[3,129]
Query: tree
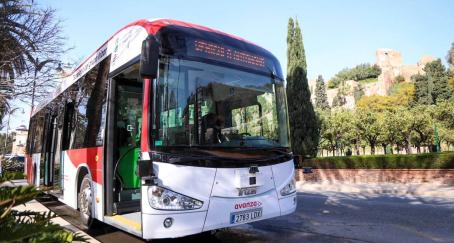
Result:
[403,93]
[444,114]
[348,134]
[438,81]
[337,130]
[357,73]
[339,100]
[396,128]
[358,92]
[321,99]
[304,128]
[30,47]
[446,136]
[422,127]
[399,79]
[379,103]
[423,90]
[450,56]
[451,79]
[9,143]
[327,135]
[368,125]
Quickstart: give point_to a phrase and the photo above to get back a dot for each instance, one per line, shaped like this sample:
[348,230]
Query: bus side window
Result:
[89,108]
[67,125]
[30,136]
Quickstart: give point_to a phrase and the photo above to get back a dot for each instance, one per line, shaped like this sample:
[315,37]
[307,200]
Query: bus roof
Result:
[130,35]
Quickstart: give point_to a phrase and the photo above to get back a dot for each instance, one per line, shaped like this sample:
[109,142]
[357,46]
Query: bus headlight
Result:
[165,199]
[289,188]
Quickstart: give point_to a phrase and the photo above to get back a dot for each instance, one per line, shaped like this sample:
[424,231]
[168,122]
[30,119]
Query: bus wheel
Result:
[85,201]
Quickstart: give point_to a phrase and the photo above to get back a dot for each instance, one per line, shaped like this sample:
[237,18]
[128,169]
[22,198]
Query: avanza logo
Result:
[252,204]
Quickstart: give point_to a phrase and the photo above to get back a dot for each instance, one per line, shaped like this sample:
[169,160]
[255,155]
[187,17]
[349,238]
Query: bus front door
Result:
[123,208]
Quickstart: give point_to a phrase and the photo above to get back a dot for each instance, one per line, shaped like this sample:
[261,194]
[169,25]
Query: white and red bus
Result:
[168,129]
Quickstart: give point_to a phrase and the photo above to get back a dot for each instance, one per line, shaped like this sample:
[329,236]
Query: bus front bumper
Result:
[189,223]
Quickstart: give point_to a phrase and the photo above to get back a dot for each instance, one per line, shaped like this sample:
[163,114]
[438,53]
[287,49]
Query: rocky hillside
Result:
[392,69]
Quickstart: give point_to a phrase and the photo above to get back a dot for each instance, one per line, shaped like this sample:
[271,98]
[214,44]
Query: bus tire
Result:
[85,201]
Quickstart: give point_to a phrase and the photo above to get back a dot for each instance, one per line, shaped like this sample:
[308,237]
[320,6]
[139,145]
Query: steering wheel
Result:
[243,134]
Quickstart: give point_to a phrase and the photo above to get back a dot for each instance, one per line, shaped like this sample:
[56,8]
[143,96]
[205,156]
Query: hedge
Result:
[413,161]
[12,175]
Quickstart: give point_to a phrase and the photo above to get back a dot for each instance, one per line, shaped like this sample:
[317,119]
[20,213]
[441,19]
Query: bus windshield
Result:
[201,104]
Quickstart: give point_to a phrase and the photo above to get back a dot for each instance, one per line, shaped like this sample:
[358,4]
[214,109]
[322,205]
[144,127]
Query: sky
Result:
[336,34]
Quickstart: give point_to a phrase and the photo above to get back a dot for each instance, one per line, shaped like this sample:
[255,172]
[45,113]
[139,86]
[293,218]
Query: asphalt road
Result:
[326,217]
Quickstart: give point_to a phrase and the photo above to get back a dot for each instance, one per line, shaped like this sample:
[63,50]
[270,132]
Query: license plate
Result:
[245,216]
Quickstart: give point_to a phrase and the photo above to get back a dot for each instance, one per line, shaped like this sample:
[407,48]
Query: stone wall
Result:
[437,176]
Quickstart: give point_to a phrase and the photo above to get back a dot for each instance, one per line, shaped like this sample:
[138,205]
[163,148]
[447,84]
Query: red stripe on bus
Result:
[153,26]
[93,157]
[144,144]
[29,161]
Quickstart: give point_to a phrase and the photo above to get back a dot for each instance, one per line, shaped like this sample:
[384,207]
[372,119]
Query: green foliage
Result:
[450,56]
[444,114]
[369,126]
[340,99]
[432,87]
[304,128]
[376,103]
[438,81]
[331,84]
[337,129]
[7,176]
[358,92]
[451,79]
[321,98]
[396,127]
[9,143]
[399,79]
[27,226]
[423,93]
[368,81]
[422,126]
[416,161]
[359,72]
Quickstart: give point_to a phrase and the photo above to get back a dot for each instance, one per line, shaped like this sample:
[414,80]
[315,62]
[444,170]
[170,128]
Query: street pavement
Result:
[323,216]
[341,217]
[326,217]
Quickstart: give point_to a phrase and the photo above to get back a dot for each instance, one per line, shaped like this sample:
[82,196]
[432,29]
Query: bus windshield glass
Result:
[201,104]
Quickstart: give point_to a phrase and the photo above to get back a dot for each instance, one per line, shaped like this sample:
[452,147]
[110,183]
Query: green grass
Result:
[368,81]
[413,161]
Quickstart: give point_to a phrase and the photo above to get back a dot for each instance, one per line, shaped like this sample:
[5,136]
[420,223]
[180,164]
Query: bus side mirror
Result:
[149,58]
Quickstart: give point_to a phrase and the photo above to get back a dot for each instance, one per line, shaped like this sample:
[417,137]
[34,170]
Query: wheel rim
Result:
[85,201]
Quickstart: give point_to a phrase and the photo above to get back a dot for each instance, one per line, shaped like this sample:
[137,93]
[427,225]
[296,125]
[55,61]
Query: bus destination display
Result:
[227,54]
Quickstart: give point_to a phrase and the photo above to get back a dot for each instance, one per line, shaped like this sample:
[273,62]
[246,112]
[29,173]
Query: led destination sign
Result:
[226,54]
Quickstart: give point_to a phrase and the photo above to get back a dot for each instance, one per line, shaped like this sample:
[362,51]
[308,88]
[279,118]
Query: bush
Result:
[357,73]
[13,175]
[368,81]
[28,226]
[399,79]
[414,161]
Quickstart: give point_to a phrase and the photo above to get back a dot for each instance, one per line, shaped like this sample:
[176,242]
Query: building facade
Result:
[19,141]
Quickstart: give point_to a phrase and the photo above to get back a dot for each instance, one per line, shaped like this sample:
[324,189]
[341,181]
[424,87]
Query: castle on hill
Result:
[391,64]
